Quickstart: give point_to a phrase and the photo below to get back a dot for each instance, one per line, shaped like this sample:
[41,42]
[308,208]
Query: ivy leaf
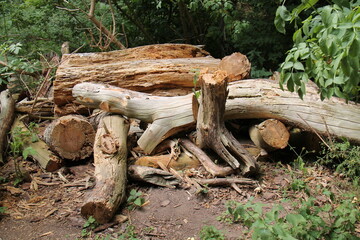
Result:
[28,151]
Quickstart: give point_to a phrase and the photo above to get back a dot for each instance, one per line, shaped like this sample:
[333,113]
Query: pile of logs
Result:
[153,86]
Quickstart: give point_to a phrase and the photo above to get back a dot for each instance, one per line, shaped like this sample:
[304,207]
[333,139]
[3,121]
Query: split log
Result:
[71,137]
[7,105]
[110,160]
[270,135]
[210,127]
[41,154]
[147,68]
[248,99]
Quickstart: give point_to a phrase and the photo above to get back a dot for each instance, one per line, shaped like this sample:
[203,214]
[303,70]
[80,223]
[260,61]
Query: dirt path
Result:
[50,209]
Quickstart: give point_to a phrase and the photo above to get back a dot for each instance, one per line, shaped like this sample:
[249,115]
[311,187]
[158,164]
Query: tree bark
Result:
[208,164]
[143,69]
[247,99]
[7,106]
[270,135]
[210,128]
[110,160]
[42,154]
[71,137]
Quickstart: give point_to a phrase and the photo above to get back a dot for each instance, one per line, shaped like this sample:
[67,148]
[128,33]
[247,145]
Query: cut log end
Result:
[270,135]
[72,137]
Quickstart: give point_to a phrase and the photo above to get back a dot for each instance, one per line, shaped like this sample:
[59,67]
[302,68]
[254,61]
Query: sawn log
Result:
[110,156]
[247,99]
[146,68]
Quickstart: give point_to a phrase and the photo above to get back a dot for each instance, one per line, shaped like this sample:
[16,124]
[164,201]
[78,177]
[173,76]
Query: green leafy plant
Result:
[343,157]
[89,225]
[325,50]
[2,210]
[211,233]
[19,139]
[307,221]
[135,199]
[129,234]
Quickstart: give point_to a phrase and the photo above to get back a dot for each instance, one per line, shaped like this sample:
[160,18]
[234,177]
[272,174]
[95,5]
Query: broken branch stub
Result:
[210,127]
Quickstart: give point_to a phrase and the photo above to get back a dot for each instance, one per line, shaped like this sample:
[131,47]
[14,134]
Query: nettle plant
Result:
[326,48]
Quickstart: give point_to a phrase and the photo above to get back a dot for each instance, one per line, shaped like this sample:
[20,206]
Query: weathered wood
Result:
[7,106]
[270,135]
[247,99]
[210,126]
[110,160]
[153,176]
[147,68]
[41,154]
[182,162]
[71,137]
[208,164]
[42,107]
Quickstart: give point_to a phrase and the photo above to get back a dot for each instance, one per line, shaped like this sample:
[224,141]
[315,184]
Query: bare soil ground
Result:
[48,206]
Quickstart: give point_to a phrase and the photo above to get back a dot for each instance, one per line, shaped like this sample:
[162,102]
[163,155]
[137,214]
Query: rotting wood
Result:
[270,135]
[71,137]
[41,154]
[146,68]
[42,107]
[110,160]
[210,127]
[208,164]
[7,106]
[247,99]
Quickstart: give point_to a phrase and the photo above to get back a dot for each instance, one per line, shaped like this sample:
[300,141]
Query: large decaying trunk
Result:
[71,137]
[247,99]
[210,127]
[7,106]
[146,68]
[110,157]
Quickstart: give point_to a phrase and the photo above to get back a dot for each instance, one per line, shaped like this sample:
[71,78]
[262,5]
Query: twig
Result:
[317,134]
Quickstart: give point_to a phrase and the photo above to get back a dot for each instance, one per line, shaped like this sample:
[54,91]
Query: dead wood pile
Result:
[119,83]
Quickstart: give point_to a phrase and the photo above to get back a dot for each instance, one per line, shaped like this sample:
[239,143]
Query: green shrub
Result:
[343,157]
[211,233]
[307,221]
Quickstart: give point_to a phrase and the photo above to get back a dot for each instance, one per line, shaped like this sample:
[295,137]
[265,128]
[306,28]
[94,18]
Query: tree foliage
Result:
[223,26]
[326,48]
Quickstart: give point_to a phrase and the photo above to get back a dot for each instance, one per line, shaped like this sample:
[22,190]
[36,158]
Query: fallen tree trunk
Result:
[147,68]
[7,105]
[210,126]
[71,137]
[270,135]
[110,157]
[41,154]
[256,98]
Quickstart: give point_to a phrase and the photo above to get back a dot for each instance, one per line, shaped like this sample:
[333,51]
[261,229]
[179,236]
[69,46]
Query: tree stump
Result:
[110,160]
[210,127]
[270,135]
[71,137]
